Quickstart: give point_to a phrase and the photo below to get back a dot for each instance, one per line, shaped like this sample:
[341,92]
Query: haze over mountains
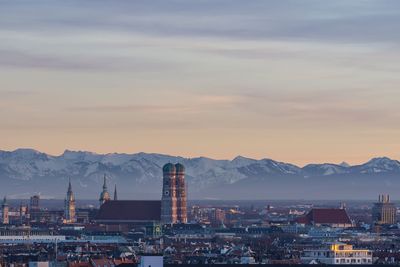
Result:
[24,172]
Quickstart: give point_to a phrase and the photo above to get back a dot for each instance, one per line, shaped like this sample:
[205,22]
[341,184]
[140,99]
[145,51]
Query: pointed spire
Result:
[115,193]
[69,185]
[5,201]
[105,183]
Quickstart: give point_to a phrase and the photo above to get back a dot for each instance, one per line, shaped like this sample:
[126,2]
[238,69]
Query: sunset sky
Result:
[295,81]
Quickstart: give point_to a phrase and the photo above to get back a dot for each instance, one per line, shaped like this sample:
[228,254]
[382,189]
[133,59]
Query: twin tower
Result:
[173,201]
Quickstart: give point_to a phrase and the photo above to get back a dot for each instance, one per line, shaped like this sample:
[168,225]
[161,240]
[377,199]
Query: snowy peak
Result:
[324,169]
[37,171]
[378,165]
[240,161]
[344,164]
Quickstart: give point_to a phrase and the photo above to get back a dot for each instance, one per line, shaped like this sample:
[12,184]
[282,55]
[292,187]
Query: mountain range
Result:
[24,172]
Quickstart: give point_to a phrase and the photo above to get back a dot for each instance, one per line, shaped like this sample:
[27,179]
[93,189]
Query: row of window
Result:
[364,260]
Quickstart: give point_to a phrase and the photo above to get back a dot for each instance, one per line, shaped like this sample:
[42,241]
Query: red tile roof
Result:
[130,210]
[326,216]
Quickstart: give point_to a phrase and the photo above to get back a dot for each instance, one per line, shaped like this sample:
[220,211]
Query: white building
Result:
[337,253]
[151,261]
[30,239]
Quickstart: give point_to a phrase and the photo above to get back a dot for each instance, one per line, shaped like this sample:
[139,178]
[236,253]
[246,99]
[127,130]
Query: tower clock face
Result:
[166,193]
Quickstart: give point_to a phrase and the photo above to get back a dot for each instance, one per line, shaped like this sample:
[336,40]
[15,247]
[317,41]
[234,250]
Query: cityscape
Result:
[173,230]
[199,133]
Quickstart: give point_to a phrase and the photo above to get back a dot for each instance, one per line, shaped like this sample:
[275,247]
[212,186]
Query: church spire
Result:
[115,193]
[105,183]
[69,186]
[104,196]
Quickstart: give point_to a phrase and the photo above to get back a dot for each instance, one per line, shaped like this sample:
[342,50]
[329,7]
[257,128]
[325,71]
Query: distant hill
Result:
[24,172]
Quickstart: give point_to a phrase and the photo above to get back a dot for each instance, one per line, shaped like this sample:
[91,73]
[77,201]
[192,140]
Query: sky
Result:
[295,81]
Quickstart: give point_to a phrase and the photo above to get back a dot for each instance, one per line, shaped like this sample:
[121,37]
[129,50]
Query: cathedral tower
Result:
[168,200]
[181,193]
[69,211]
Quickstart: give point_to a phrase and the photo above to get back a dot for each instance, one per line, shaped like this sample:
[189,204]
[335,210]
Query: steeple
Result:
[104,195]
[69,209]
[69,186]
[5,201]
[105,183]
[115,193]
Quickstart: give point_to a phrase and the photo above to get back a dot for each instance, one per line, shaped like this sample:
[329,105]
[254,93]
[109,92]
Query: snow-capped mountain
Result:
[27,171]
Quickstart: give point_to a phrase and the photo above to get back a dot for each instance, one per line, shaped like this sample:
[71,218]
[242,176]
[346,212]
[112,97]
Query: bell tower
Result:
[168,200]
[181,193]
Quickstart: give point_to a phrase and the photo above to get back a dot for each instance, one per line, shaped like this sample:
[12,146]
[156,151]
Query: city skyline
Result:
[316,82]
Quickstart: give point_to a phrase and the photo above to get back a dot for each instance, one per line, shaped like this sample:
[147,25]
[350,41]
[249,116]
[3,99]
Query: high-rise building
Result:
[104,195]
[168,199]
[5,209]
[180,193]
[173,201]
[69,211]
[384,212]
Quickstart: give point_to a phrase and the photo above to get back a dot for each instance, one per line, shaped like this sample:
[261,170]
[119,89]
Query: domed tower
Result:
[168,200]
[69,211]
[104,195]
[181,193]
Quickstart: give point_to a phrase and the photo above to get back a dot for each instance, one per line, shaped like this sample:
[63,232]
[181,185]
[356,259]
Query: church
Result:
[120,215]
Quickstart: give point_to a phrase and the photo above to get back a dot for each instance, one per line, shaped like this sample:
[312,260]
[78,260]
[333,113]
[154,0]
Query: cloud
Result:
[30,60]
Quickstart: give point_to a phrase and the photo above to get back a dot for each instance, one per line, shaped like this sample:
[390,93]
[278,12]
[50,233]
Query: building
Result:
[5,210]
[332,217]
[28,235]
[35,203]
[337,253]
[69,210]
[125,214]
[173,201]
[384,212]
[104,195]
[217,217]
[151,260]
[168,199]
[23,213]
[181,206]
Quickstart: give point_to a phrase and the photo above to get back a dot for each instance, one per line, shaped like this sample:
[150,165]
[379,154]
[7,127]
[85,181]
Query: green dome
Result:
[179,168]
[169,168]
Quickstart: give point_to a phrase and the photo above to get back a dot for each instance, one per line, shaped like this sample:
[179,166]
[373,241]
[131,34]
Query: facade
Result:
[168,199]
[35,203]
[337,253]
[181,206]
[336,218]
[173,201]
[5,210]
[384,212]
[69,210]
[104,195]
